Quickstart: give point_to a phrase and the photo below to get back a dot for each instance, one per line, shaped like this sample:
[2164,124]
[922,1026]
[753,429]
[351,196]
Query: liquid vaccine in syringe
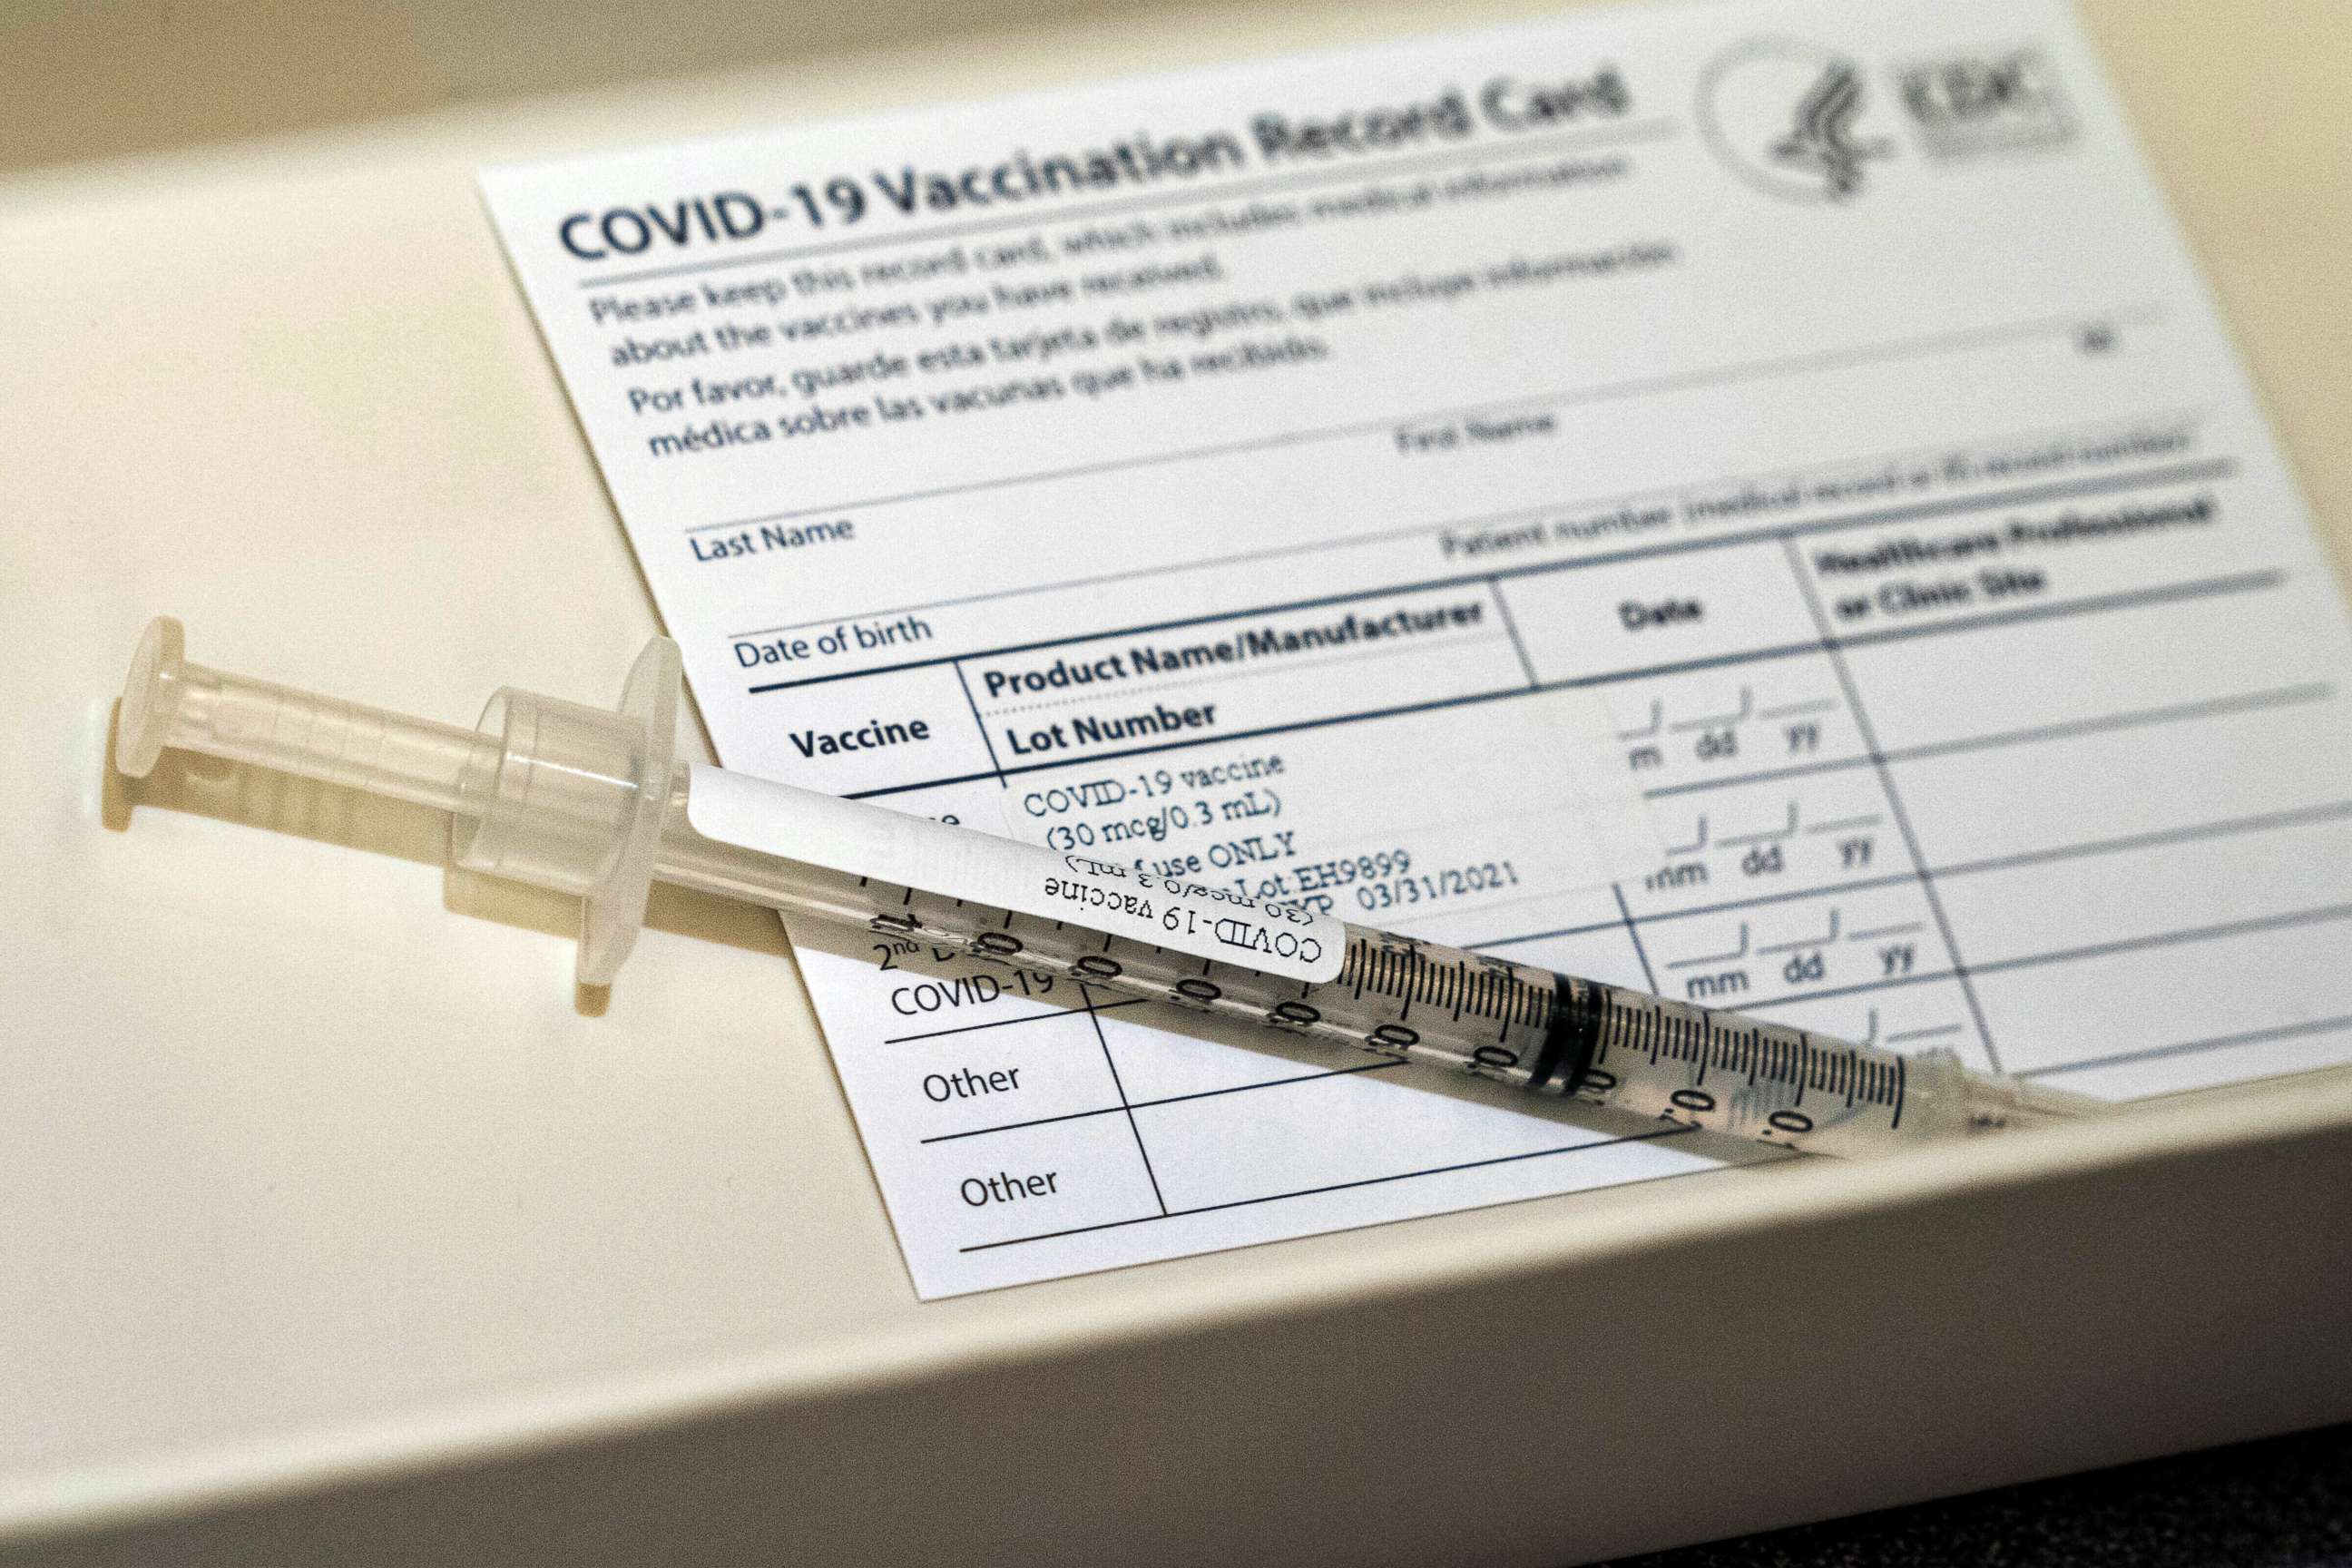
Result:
[593,802]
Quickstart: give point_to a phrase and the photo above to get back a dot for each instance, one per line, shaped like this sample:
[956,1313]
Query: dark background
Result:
[2285,1502]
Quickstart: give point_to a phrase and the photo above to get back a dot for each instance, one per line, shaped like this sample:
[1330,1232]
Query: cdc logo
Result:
[1966,105]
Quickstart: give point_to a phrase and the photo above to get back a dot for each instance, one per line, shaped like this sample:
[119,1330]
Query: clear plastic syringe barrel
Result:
[550,792]
[587,801]
[1511,1023]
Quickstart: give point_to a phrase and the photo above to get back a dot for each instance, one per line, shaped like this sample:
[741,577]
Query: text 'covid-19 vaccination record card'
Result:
[1347,480]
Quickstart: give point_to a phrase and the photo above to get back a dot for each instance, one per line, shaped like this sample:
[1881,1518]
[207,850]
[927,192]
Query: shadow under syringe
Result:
[200,786]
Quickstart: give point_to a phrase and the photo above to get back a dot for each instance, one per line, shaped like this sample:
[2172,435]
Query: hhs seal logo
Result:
[1789,118]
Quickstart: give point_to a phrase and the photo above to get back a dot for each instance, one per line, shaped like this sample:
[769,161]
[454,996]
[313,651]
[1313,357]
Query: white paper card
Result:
[1263,477]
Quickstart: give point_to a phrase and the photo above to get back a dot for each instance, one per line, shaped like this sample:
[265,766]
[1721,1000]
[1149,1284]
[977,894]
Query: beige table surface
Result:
[310,1169]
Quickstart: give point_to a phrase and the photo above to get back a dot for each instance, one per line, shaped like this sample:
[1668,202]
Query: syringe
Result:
[593,802]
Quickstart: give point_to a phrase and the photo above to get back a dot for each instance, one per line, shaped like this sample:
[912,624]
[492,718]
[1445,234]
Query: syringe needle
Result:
[593,802]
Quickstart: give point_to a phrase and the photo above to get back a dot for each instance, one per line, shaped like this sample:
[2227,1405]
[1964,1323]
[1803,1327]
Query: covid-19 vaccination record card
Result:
[1338,478]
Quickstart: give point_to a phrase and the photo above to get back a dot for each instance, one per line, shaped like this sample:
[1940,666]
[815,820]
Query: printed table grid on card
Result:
[1364,521]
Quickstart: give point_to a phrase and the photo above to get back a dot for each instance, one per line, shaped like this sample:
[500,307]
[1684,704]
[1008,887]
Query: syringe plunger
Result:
[555,793]
[591,802]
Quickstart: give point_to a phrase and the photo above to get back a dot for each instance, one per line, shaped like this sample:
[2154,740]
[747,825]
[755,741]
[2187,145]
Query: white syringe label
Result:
[912,852]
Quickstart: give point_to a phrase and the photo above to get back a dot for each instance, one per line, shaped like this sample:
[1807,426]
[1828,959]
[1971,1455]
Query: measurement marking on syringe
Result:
[1683,1037]
[1338,1187]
